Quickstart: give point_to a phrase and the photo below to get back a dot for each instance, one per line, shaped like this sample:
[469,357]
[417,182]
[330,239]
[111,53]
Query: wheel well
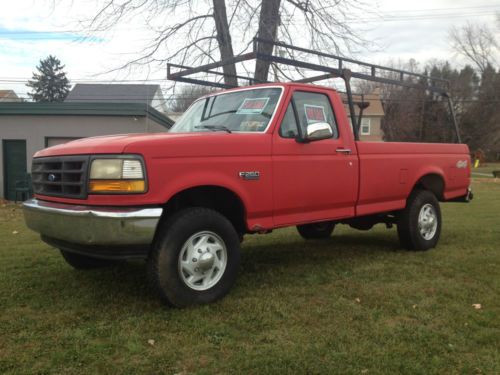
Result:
[433,183]
[217,198]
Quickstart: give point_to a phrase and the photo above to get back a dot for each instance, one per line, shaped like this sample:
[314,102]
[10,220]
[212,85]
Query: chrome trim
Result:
[469,195]
[318,131]
[343,150]
[91,225]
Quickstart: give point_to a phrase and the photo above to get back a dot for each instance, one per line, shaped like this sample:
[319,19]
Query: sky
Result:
[32,29]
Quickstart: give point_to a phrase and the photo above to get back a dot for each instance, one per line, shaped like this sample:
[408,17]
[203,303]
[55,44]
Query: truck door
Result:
[312,181]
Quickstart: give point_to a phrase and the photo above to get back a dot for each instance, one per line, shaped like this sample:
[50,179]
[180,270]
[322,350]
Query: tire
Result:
[195,258]
[314,231]
[419,224]
[82,262]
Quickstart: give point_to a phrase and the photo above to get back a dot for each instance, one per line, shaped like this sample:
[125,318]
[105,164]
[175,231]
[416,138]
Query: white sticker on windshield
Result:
[314,113]
[252,106]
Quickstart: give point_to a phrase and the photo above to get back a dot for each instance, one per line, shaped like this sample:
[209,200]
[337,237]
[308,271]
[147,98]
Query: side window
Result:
[288,128]
[313,107]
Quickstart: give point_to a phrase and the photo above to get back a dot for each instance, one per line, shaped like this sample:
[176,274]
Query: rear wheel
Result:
[316,230]
[83,262]
[419,224]
[196,257]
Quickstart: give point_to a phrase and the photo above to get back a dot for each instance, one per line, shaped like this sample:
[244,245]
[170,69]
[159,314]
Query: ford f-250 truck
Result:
[241,161]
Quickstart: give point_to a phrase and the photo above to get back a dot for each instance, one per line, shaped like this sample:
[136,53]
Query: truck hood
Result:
[109,144]
[159,145]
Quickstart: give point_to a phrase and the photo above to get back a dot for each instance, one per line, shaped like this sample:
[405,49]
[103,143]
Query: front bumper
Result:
[86,227]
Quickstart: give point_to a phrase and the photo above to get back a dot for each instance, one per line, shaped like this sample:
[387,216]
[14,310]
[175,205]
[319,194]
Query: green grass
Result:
[356,304]
[486,169]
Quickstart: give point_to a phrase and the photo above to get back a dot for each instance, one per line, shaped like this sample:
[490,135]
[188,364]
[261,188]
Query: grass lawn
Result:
[356,304]
[485,170]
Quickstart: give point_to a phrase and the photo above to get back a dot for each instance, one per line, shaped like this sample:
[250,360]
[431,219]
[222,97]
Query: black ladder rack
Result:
[376,73]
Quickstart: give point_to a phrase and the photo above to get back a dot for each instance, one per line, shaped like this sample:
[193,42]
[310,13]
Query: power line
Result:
[387,16]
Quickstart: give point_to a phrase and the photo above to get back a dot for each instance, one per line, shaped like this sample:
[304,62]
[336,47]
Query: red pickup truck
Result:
[241,161]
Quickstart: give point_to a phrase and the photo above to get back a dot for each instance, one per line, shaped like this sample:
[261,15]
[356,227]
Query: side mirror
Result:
[318,131]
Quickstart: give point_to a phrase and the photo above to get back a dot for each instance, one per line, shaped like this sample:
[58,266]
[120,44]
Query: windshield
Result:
[239,111]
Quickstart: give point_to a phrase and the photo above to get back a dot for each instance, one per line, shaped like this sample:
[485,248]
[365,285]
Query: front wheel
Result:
[419,224]
[195,258]
[316,230]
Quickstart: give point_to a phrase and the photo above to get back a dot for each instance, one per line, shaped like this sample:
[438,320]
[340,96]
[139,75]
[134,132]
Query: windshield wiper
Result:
[214,128]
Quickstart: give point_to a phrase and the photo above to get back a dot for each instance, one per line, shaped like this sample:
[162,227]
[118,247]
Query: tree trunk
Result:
[268,29]
[224,41]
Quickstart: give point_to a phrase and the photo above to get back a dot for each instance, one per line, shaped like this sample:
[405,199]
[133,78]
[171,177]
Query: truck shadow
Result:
[338,249]
[125,284]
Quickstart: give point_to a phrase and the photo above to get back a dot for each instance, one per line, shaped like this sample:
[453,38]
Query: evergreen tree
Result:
[50,83]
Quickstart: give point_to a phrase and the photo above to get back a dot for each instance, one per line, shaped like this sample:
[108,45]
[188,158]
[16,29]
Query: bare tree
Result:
[194,32]
[475,42]
[186,95]
[224,40]
[269,21]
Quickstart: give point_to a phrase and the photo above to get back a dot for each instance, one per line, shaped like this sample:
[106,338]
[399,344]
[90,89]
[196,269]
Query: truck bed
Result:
[389,171]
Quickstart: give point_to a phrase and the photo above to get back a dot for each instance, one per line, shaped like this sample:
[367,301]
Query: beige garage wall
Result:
[34,129]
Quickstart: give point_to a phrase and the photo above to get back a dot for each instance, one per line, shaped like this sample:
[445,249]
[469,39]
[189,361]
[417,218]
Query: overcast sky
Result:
[31,30]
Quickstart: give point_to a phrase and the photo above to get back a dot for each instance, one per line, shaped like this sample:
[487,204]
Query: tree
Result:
[186,95]
[205,31]
[50,83]
[475,42]
[481,120]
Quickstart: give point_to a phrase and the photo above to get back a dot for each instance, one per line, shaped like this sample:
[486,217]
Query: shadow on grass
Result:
[126,283]
[344,246]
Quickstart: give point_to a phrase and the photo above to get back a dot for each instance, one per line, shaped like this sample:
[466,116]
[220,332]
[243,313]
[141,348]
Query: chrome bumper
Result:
[86,225]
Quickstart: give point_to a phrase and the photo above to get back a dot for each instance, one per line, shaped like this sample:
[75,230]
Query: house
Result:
[28,127]
[118,93]
[9,96]
[370,129]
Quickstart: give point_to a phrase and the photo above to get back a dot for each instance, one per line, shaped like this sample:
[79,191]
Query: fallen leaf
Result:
[364,371]
[15,232]
[477,306]
[151,342]
[358,300]
[414,306]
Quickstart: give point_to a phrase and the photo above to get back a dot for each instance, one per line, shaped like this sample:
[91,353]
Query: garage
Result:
[26,128]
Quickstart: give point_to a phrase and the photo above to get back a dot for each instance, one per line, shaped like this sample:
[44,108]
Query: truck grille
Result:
[60,176]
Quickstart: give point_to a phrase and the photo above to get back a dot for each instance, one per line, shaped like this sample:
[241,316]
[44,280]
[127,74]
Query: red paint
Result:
[299,182]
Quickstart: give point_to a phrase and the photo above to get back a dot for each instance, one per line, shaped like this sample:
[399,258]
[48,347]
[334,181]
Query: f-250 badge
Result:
[254,175]
[462,164]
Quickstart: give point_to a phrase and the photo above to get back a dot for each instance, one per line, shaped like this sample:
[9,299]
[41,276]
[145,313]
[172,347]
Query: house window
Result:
[365,126]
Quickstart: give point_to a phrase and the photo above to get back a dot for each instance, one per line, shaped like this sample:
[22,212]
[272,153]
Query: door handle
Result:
[343,150]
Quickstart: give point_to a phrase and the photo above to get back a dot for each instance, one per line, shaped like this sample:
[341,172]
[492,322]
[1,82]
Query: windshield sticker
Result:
[252,106]
[314,113]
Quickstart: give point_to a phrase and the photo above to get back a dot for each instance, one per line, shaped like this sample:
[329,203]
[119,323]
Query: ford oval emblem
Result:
[52,177]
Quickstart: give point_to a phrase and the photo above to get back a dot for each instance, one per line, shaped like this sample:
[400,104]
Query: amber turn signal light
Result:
[117,186]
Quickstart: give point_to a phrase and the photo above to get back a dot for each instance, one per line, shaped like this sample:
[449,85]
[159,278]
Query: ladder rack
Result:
[338,69]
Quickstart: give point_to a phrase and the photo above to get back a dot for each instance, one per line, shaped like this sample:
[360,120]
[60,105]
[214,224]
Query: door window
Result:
[288,128]
[309,109]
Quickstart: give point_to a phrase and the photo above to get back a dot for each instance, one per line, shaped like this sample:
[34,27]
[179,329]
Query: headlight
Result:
[118,175]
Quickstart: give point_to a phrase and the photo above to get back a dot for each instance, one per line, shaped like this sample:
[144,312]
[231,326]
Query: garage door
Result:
[14,165]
